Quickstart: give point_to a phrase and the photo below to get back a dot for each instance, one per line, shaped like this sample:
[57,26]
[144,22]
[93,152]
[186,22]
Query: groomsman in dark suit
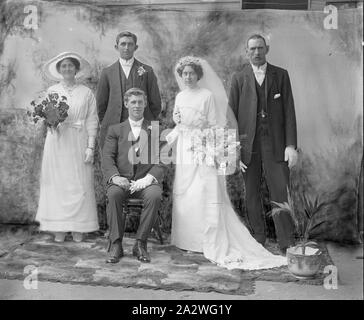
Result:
[127,72]
[131,168]
[262,100]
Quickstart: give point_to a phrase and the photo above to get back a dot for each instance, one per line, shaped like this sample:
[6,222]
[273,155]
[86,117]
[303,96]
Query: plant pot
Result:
[304,266]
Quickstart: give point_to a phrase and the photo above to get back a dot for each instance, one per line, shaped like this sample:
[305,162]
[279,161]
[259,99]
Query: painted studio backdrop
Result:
[325,67]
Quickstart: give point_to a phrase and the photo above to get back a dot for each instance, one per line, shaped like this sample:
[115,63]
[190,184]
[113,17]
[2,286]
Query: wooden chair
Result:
[133,208]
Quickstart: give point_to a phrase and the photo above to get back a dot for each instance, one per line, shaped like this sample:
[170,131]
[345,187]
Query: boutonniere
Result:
[150,128]
[141,71]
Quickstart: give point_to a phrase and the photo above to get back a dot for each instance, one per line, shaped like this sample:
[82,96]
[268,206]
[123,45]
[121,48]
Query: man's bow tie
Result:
[135,125]
[126,64]
[259,71]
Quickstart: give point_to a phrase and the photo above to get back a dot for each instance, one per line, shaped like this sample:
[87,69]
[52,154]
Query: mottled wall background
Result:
[325,67]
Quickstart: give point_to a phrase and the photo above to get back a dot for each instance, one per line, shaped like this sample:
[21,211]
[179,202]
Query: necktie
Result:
[259,76]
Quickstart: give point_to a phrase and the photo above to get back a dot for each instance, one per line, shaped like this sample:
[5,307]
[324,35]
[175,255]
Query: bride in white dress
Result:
[203,219]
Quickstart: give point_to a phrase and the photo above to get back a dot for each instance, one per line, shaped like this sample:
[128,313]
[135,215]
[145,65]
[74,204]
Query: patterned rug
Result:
[170,269]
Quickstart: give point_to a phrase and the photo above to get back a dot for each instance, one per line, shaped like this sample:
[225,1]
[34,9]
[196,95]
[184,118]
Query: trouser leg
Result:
[252,178]
[151,202]
[277,178]
[115,214]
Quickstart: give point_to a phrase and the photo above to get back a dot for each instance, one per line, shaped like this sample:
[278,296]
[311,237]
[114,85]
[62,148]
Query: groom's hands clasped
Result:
[121,182]
[132,185]
[141,184]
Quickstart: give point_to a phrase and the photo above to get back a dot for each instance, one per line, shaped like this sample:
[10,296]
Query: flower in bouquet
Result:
[198,146]
[50,107]
[227,149]
[216,146]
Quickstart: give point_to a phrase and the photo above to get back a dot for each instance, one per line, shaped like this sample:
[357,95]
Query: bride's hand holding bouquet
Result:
[51,108]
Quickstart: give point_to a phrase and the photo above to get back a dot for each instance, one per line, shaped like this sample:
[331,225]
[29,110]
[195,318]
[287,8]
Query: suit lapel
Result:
[130,149]
[144,142]
[250,83]
[115,78]
[269,77]
[128,133]
[136,79]
[250,78]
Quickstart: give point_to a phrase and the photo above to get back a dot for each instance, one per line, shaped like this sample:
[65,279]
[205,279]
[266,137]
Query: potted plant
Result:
[304,259]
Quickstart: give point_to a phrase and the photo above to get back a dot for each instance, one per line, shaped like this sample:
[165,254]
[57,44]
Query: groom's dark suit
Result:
[120,157]
[267,125]
[111,89]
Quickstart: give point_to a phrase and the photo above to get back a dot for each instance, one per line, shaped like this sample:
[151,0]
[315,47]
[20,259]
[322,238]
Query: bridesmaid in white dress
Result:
[67,197]
[203,219]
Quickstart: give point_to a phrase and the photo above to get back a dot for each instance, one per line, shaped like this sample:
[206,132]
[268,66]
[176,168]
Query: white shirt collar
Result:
[126,63]
[262,68]
[136,123]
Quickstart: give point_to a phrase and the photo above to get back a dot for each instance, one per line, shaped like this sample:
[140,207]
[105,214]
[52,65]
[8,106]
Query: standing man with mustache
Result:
[262,100]
[126,73]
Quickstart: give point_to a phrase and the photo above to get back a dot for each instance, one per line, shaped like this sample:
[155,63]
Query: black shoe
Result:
[140,251]
[115,252]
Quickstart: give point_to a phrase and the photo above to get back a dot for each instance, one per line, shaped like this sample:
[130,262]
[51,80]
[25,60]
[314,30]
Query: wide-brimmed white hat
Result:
[51,72]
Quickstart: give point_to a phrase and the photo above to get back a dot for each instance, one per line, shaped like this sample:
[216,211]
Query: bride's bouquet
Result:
[51,108]
[215,147]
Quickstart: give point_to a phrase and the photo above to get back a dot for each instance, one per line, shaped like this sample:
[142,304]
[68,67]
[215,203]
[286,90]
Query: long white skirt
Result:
[67,197]
[203,219]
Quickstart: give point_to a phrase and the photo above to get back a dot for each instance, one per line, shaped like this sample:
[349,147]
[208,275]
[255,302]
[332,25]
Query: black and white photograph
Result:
[181,156]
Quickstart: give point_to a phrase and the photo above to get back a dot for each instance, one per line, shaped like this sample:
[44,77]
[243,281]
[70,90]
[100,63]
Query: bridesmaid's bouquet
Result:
[50,107]
[216,147]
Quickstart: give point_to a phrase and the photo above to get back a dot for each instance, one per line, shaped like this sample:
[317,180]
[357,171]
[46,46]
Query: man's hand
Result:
[290,155]
[89,155]
[121,182]
[141,183]
[243,167]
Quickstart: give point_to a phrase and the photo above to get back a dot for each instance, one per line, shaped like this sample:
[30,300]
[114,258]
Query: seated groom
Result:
[131,168]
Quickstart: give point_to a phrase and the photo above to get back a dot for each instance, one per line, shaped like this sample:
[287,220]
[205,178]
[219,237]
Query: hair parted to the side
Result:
[256,36]
[126,34]
[193,62]
[134,92]
[74,61]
